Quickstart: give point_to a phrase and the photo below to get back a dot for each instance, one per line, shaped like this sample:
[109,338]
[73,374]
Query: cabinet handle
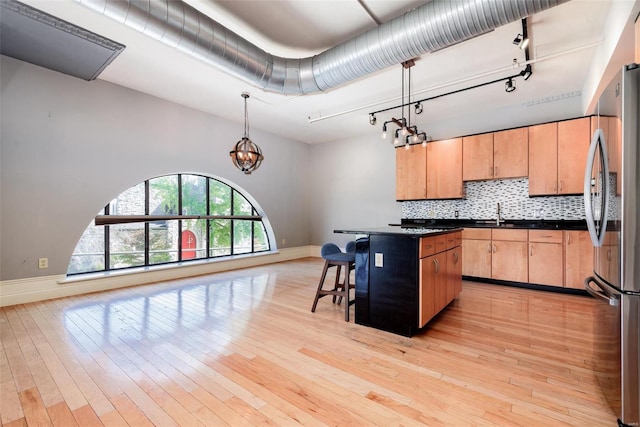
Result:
[489,247]
[555,185]
[495,171]
[609,255]
[530,250]
[490,171]
[435,261]
[455,257]
[560,186]
[494,249]
[568,239]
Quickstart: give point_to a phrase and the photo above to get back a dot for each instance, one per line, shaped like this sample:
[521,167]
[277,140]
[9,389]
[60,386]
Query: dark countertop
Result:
[412,231]
[542,224]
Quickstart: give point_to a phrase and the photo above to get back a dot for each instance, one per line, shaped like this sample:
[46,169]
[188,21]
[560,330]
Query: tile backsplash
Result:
[483,196]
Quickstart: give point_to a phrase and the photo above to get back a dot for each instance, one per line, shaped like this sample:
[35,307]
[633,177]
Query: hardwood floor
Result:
[242,348]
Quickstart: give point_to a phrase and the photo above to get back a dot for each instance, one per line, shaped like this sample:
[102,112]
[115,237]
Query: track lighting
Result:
[509,86]
[384,130]
[372,119]
[418,108]
[526,73]
[521,41]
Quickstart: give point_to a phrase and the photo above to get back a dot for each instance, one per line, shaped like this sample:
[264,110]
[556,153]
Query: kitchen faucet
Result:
[498,214]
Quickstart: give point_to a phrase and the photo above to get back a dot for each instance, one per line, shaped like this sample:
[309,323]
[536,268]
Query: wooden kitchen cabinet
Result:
[477,157]
[444,169]
[612,129]
[411,173]
[509,260]
[510,153]
[440,274]
[578,251]
[574,137]
[546,260]
[557,157]
[476,252]
[543,159]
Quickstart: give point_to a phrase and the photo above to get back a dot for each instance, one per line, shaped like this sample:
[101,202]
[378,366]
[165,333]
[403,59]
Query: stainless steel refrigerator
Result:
[612,206]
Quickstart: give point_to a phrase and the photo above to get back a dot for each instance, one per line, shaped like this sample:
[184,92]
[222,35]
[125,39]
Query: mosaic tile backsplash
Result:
[512,194]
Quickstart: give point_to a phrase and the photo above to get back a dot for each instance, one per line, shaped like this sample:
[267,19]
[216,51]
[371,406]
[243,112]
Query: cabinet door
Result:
[578,252]
[444,169]
[510,153]
[574,137]
[543,159]
[441,281]
[545,263]
[454,267]
[509,261]
[476,258]
[477,157]
[426,306]
[411,173]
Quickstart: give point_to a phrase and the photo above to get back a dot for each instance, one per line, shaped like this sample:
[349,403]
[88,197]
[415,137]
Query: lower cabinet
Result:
[440,277]
[543,257]
[578,253]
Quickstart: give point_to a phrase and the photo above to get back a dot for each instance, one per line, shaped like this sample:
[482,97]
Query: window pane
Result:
[88,255]
[242,236]
[220,235]
[241,206]
[126,245]
[194,195]
[163,195]
[260,241]
[194,239]
[163,242]
[130,202]
[219,198]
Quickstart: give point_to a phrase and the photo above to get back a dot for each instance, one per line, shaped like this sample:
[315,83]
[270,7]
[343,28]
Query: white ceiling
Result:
[564,41]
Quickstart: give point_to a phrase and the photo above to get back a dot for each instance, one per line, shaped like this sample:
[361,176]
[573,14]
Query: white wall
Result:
[353,184]
[69,146]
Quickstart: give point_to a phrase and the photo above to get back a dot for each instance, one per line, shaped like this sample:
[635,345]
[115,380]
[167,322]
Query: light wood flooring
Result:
[242,348]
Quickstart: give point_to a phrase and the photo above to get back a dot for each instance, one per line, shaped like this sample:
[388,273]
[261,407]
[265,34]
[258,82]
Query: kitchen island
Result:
[405,276]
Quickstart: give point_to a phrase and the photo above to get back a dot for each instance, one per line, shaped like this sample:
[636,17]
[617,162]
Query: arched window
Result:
[169,219]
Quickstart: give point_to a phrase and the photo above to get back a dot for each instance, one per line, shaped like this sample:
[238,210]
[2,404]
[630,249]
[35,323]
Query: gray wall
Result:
[70,146]
[353,184]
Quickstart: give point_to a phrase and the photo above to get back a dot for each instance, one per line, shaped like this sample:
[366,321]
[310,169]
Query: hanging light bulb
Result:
[384,131]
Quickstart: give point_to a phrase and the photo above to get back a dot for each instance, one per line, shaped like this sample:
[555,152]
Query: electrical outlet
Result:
[379,260]
[43,262]
[284,241]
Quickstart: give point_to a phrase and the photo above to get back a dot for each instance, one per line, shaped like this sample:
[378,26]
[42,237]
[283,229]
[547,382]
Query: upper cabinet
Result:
[510,153]
[444,169]
[431,172]
[495,155]
[411,173]
[612,130]
[557,157]
[477,157]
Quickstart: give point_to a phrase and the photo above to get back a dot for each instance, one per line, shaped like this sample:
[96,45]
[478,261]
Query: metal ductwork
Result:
[433,26]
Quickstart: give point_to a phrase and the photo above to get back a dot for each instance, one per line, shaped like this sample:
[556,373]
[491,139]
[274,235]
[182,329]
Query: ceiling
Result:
[564,40]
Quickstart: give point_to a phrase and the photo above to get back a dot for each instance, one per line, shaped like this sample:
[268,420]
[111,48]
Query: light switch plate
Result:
[378,260]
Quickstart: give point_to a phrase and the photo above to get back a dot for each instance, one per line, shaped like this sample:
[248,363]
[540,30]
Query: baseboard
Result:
[21,291]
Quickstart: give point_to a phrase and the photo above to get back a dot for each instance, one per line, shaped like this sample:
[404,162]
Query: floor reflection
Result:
[164,312]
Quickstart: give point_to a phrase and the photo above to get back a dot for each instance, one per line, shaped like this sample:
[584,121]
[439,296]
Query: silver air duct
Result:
[431,27]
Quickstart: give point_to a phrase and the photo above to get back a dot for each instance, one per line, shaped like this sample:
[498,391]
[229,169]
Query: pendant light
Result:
[246,155]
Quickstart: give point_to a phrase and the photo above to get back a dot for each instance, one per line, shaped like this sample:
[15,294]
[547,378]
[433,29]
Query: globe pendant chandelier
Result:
[246,155]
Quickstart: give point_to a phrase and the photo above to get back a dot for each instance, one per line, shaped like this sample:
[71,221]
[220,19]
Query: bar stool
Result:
[334,257]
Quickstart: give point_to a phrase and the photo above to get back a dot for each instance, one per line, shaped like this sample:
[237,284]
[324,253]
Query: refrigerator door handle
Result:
[600,293]
[597,233]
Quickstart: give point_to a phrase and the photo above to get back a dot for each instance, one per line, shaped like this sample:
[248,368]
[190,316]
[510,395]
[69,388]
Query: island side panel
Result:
[393,290]
[362,281]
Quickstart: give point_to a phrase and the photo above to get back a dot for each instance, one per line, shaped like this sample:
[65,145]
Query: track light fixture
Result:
[372,119]
[522,41]
[526,73]
[418,108]
[509,86]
